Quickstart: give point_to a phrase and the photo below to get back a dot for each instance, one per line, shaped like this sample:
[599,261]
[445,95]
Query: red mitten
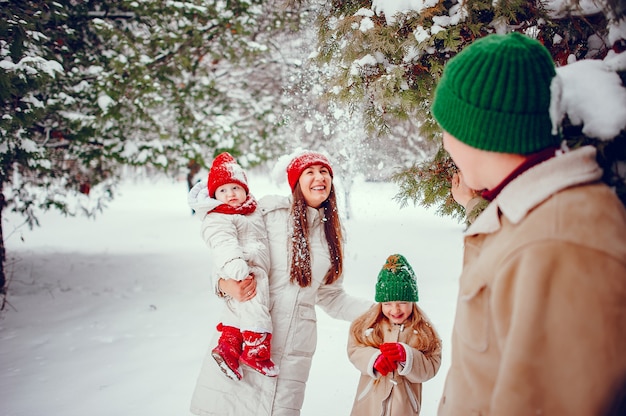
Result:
[383,365]
[394,351]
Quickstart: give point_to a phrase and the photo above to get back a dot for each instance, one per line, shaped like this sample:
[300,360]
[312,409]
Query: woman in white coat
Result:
[306,253]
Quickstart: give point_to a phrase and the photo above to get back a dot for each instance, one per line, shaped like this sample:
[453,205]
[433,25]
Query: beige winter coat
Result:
[398,393]
[295,328]
[540,324]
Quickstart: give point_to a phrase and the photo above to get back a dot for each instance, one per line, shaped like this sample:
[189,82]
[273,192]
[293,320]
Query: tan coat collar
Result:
[537,184]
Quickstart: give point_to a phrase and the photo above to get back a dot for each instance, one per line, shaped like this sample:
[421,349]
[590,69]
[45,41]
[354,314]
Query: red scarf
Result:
[248,207]
[532,160]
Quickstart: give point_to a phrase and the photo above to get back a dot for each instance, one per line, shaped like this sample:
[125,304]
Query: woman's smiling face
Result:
[315,182]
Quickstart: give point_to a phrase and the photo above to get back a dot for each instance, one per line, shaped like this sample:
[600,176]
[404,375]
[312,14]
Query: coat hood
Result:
[200,201]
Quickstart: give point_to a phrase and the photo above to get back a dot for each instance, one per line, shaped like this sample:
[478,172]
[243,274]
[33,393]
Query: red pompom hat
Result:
[225,169]
[304,160]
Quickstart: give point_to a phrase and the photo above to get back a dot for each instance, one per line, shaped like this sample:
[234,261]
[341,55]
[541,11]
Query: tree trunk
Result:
[3,252]
[347,189]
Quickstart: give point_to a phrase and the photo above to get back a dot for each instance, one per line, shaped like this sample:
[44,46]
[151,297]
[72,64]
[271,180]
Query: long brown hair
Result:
[422,336]
[300,251]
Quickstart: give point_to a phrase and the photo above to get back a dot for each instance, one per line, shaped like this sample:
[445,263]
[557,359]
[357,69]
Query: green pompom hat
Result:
[495,95]
[396,281]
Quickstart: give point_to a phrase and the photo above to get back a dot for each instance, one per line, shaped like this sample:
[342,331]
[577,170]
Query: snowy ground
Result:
[113,316]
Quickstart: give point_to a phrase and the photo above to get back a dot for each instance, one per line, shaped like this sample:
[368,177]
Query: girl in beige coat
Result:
[394,346]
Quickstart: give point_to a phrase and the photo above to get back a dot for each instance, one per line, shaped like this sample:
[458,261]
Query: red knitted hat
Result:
[225,170]
[304,160]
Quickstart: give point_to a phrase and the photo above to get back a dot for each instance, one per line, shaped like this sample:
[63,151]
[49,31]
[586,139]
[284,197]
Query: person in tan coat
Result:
[394,346]
[540,325]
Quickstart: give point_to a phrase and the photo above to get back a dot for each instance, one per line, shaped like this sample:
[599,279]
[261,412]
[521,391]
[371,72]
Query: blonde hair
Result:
[368,331]
[300,271]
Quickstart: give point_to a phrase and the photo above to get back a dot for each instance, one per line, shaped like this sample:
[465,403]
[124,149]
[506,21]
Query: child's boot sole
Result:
[229,372]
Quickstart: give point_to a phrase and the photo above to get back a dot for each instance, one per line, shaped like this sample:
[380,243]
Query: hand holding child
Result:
[241,291]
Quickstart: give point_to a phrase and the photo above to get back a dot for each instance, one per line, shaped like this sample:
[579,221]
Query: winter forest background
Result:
[106,100]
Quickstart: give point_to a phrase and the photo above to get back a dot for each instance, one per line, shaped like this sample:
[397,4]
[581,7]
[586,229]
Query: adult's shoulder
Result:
[269,203]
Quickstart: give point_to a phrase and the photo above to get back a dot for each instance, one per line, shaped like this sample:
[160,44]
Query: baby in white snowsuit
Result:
[235,233]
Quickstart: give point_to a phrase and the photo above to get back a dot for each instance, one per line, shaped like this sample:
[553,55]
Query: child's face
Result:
[397,312]
[231,194]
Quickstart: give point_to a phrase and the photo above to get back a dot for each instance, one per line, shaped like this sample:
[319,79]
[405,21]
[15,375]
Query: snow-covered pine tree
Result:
[331,125]
[88,88]
[388,61]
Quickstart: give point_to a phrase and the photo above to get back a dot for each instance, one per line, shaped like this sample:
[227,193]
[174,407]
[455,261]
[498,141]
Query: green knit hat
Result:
[495,95]
[396,281]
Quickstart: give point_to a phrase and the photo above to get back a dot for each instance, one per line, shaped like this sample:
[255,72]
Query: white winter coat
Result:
[237,246]
[295,328]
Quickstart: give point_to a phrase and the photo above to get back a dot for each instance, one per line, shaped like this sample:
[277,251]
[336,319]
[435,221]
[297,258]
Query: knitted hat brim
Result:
[304,161]
[493,131]
[495,95]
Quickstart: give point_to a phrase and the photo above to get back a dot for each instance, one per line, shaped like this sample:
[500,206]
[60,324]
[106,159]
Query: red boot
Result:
[257,352]
[228,351]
